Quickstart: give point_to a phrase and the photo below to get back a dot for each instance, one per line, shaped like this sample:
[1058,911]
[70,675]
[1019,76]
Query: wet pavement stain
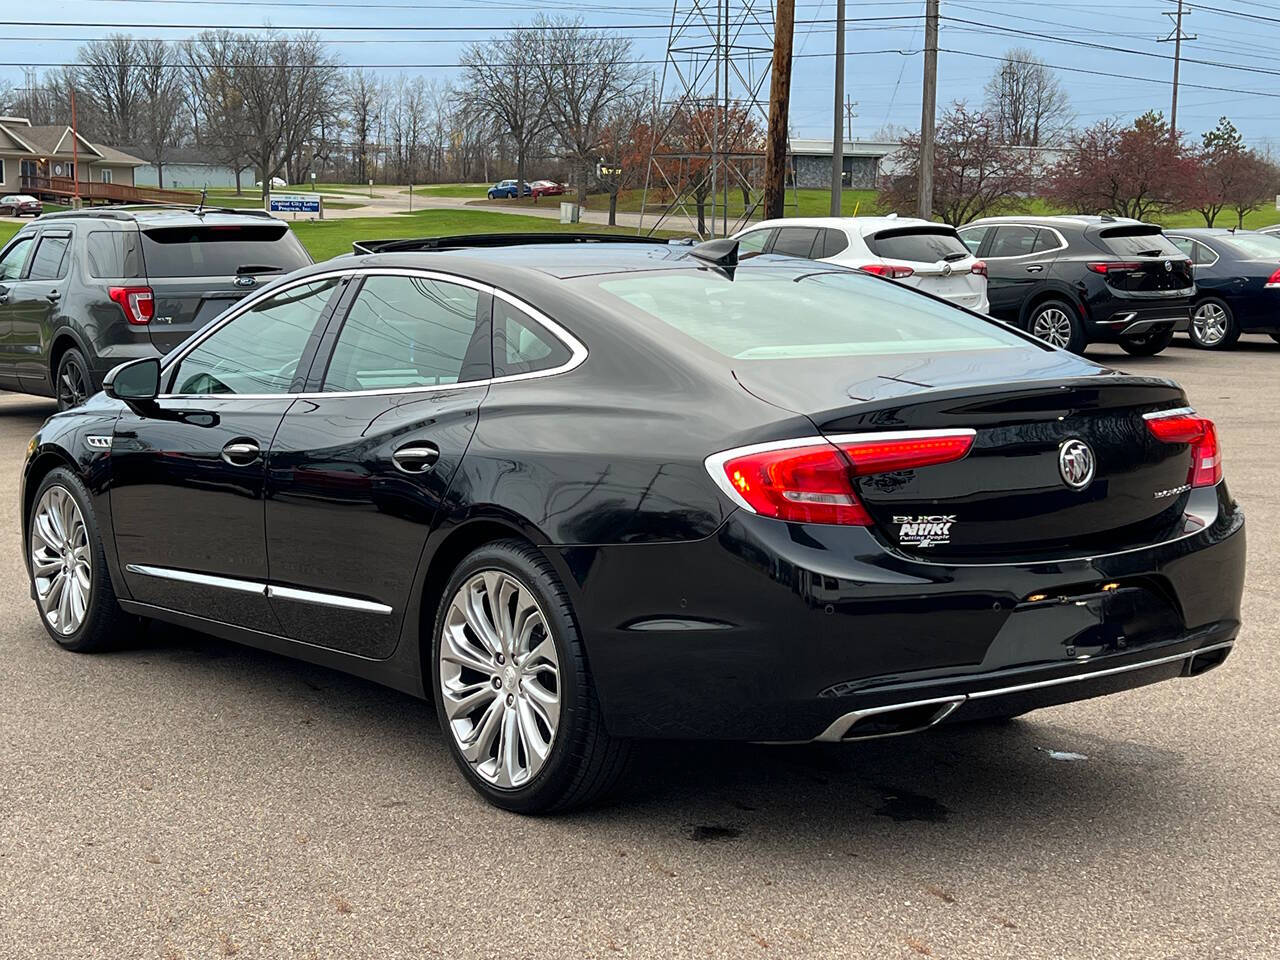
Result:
[713,833]
[903,806]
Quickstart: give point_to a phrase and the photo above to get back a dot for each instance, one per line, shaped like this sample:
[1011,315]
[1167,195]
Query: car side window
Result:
[521,344]
[795,241]
[834,242]
[1045,240]
[1202,254]
[1185,244]
[50,259]
[404,331]
[753,243]
[258,352]
[1013,240]
[113,253]
[973,237]
[14,258]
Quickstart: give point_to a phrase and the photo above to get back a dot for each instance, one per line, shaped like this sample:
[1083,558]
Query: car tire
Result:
[72,382]
[1147,344]
[1058,323]
[494,691]
[67,565]
[1213,326]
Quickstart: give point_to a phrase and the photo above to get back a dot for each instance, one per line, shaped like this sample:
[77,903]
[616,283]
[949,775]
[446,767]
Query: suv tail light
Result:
[1183,426]
[1113,266]
[1273,282]
[893,272]
[136,302]
[979,268]
[811,480]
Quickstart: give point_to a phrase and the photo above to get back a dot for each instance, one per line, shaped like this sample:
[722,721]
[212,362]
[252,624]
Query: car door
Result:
[362,462]
[34,303]
[188,470]
[1017,257]
[13,266]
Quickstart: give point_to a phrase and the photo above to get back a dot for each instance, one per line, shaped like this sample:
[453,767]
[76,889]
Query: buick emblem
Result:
[1168,266]
[1076,463]
[946,269]
[245,280]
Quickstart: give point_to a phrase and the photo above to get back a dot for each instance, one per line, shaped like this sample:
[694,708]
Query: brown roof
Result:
[118,157]
[46,139]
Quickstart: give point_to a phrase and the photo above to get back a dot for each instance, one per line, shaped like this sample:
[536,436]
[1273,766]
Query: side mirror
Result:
[135,380]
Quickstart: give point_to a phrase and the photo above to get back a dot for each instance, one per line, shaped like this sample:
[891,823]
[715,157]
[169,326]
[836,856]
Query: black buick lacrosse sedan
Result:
[579,493]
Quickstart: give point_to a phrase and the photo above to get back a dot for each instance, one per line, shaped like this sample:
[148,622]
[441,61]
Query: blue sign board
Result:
[294,203]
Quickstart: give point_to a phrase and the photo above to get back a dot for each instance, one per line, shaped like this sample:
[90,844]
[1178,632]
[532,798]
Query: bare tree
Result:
[163,91]
[585,74]
[110,74]
[211,63]
[503,78]
[1026,101]
[362,95]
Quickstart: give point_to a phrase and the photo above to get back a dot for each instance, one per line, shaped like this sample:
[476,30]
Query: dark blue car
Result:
[1237,284]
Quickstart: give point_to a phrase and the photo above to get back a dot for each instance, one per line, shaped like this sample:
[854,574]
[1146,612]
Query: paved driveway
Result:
[191,798]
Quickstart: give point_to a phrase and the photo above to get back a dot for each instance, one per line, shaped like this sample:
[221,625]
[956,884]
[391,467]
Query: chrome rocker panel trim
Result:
[262,589]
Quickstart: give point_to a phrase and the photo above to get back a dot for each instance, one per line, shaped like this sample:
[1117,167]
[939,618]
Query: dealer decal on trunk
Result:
[926,530]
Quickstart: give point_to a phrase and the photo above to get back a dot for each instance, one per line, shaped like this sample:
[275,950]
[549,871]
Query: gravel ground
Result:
[190,798]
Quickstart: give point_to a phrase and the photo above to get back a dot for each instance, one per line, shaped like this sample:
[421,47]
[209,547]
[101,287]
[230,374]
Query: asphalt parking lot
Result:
[189,798]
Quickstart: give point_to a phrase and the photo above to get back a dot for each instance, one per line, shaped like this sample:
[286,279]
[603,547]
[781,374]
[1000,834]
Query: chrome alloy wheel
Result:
[1052,326]
[1210,322]
[60,562]
[500,678]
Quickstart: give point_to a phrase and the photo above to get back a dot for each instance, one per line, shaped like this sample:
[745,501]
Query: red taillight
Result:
[979,268]
[1183,426]
[136,302]
[892,271]
[812,481]
[1273,282]
[1112,266]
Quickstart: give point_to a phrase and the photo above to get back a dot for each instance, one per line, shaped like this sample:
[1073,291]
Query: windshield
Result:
[1259,246]
[771,314]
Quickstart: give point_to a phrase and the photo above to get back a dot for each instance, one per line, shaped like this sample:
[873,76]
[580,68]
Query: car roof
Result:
[1076,220]
[174,216]
[1207,231]
[859,225]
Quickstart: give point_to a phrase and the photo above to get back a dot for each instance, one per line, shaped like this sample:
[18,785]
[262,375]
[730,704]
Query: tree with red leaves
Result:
[1134,171]
[975,173]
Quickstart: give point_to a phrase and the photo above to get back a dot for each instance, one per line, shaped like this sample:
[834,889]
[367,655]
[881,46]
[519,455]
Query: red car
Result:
[20,205]
[546,188]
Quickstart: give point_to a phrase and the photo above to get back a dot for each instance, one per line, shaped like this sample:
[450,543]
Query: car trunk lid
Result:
[1012,496]
[1142,262]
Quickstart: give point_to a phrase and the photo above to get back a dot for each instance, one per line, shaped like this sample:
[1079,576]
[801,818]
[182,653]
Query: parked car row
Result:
[584,490]
[508,189]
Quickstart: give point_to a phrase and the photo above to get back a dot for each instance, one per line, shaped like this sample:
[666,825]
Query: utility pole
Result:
[837,119]
[928,111]
[849,115]
[1177,36]
[775,159]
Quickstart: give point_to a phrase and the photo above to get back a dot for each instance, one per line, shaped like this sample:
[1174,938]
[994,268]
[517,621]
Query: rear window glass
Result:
[755,316]
[220,250]
[1138,242]
[1260,246]
[923,245]
[113,254]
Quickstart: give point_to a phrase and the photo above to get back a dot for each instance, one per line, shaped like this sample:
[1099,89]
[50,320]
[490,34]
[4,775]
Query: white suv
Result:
[921,254]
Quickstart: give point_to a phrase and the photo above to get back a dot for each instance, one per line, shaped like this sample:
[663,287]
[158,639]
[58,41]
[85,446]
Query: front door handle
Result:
[52,296]
[417,458]
[1034,268]
[241,453]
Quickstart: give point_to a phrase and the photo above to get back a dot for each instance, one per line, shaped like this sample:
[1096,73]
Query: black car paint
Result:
[700,619]
[1017,285]
[1237,280]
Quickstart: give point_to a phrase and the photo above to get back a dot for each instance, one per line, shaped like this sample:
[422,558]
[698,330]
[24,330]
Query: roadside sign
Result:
[295,203]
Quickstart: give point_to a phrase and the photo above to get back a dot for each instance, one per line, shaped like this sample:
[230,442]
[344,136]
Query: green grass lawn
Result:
[329,238]
[468,191]
[799,203]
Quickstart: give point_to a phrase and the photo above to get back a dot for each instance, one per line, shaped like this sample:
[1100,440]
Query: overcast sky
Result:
[883,69]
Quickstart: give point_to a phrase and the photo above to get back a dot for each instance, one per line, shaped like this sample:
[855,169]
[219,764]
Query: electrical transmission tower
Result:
[706,159]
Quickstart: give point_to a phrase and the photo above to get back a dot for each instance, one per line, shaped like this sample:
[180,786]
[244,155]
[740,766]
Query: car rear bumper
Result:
[1129,321]
[786,632]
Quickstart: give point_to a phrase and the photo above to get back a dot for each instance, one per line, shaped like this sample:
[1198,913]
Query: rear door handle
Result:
[53,296]
[417,458]
[241,453]
[1034,268]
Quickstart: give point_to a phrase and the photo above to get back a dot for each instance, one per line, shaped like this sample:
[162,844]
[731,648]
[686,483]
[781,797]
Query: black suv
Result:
[1072,281]
[85,290]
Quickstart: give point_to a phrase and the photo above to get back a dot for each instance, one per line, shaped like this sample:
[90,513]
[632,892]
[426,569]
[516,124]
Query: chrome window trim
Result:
[714,464]
[260,589]
[1195,244]
[1062,241]
[577,350]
